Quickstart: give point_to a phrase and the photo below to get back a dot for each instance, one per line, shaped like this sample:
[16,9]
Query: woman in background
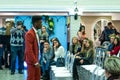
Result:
[43,37]
[59,50]
[84,58]
[116,47]
[81,33]
[75,48]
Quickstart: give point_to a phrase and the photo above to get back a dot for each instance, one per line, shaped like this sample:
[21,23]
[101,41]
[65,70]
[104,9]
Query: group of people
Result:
[47,55]
[110,39]
[33,46]
[12,44]
[84,54]
[84,50]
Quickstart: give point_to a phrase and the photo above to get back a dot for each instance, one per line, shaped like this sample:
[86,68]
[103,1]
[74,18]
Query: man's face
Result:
[46,45]
[112,39]
[39,24]
[111,26]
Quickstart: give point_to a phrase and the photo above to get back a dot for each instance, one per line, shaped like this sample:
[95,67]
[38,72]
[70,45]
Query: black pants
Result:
[7,50]
[75,73]
[75,64]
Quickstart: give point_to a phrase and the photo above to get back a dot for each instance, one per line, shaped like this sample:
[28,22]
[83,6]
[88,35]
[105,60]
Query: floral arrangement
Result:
[50,24]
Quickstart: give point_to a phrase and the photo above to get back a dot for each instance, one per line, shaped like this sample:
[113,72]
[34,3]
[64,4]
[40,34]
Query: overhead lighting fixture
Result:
[75,10]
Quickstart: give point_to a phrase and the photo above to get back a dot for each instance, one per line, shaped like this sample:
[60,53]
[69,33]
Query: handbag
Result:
[60,62]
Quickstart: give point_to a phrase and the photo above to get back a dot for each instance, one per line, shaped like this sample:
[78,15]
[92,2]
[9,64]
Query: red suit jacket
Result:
[31,47]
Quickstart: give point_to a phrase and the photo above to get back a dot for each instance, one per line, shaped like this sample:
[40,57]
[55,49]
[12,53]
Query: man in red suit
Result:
[32,50]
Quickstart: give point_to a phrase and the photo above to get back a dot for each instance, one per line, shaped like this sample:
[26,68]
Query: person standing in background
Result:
[9,25]
[2,42]
[32,49]
[108,30]
[16,42]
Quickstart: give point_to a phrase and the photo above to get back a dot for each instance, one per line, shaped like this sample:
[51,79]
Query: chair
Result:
[71,61]
[106,44]
[67,59]
[118,55]
[60,73]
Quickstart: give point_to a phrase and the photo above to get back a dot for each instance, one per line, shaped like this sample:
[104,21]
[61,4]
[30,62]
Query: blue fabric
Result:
[45,66]
[107,33]
[17,50]
[110,47]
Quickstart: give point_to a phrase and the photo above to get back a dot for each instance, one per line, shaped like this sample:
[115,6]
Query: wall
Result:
[74,27]
[117,24]
[60,27]
[1,23]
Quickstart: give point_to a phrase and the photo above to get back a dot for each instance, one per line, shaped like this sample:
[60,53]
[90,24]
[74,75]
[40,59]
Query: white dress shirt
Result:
[36,32]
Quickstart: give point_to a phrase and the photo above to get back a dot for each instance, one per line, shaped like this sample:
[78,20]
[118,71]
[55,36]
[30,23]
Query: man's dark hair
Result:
[19,23]
[109,23]
[59,44]
[46,41]
[36,18]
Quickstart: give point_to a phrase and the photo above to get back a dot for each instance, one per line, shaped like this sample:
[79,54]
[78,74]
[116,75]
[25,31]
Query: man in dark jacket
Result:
[108,30]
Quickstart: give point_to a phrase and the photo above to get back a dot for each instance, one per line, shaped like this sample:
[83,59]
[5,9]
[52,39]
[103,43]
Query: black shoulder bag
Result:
[60,62]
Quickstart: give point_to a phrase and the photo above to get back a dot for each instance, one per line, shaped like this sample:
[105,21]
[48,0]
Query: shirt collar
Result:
[34,29]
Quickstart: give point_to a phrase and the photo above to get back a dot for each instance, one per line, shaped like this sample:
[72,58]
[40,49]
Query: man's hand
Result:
[37,65]
[81,61]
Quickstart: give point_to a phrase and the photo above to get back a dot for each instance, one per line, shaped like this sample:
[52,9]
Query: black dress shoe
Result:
[6,66]
[1,68]
[12,73]
[20,72]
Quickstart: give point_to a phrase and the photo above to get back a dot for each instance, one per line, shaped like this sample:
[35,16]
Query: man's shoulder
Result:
[30,32]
